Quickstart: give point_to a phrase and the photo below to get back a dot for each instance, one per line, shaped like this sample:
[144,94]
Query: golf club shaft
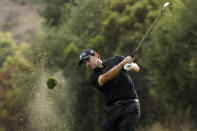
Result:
[129,65]
[148,31]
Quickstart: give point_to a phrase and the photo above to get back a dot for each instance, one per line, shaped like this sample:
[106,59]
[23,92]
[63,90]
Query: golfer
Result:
[122,106]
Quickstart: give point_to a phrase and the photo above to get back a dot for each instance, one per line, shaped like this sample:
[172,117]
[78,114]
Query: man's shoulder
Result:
[110,62]
[118,57]
[114,58]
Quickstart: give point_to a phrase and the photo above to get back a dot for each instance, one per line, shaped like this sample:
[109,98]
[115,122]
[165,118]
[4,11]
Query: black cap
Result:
[85,54]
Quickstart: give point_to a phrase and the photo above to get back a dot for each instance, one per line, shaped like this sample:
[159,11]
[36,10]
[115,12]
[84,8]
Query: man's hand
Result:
[130,65]
[126,60]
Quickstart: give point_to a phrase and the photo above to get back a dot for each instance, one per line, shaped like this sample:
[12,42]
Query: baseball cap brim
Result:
[84,58]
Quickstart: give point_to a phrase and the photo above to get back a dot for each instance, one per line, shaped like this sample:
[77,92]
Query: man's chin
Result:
[92,68]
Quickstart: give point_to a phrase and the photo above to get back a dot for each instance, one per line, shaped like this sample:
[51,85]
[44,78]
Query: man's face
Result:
[91,63]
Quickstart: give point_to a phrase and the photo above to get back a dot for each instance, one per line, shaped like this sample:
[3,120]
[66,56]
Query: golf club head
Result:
[166,4]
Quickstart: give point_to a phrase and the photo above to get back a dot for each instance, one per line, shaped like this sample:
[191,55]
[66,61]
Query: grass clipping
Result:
[51,82]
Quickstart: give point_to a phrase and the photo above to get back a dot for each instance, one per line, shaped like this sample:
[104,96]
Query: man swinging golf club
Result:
[122,105]
[111,77]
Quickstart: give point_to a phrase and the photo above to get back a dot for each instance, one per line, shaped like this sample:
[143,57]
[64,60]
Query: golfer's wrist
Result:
[122,63]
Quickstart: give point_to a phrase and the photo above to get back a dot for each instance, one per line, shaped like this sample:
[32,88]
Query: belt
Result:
[121,102]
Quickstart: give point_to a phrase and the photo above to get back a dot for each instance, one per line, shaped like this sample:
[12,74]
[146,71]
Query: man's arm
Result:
[112,73]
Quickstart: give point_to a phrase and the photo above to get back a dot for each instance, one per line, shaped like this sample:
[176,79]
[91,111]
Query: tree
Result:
[169,57]
[124,25]
[52,12]
[14,72]
[7,46]
[60,46]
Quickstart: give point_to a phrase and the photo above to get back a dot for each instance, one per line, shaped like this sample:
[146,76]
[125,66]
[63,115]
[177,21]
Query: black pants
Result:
[122,117]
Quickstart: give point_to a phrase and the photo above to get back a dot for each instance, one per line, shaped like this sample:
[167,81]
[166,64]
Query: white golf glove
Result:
[128,66]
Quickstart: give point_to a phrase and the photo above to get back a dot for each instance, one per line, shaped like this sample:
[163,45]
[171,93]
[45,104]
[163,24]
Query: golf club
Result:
[128,66]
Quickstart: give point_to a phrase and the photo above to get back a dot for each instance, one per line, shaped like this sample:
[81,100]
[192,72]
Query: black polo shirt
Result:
[119,88]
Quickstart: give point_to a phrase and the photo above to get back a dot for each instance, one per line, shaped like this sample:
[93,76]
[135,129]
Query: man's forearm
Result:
[111,74]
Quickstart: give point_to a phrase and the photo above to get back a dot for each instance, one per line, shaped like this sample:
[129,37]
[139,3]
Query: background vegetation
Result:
[166,83]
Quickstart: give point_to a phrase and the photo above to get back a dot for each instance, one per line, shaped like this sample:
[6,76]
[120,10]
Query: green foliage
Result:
[169,57]
[7,46]
[123,26]
[60,46]
[14,73]
[11,82]
[116,27]
[66,40]
[52,12]
[71,52]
